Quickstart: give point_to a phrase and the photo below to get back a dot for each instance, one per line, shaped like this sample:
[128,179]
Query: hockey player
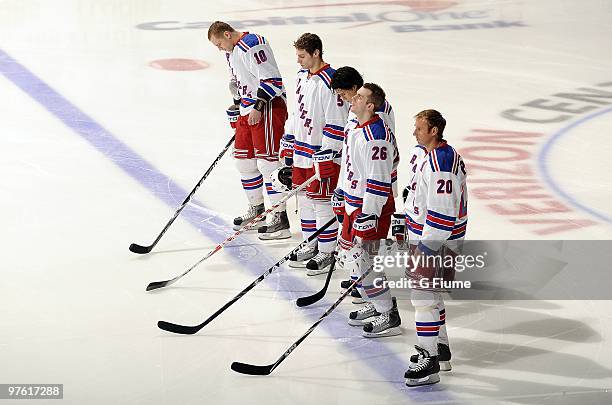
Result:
[258,89]
[346,81]
[369,157]
[313,137]
[437,205]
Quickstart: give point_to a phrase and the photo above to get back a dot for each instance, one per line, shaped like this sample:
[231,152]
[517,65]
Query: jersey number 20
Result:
[445,186]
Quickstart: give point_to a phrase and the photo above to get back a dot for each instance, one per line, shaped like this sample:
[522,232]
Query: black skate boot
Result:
[426,370]
[386,324]
[252,212]
[277,228]
[319,264]
[300,258]
[444,357]
[363,315]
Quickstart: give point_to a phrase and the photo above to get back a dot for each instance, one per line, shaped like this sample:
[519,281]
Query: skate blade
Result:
[282,234]
[445,366]
[430,379]
[385,333]
[253,228]
[311,272]
[360,322]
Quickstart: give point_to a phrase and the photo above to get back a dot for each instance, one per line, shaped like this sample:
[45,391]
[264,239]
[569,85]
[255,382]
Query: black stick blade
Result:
[141,250]
[157,284]
[174,328]
[250,369]
[311,299]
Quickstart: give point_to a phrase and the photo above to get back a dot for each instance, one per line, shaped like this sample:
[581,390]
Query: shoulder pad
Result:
[250,40]
[385,108]
[377,131]
[444,159]
[326,75]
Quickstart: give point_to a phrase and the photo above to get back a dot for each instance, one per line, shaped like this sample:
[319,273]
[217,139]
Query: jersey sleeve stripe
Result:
[437,225]
[441,216]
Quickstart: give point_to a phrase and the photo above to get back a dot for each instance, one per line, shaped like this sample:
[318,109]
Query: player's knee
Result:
[423,300]
[266,167]
[246,165]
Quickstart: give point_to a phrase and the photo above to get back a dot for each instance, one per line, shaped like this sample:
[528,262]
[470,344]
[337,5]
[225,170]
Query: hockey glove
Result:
[398,226]
[337,203]
[365,226]
[233,112]
[324,165]
[405,193]
[287,144]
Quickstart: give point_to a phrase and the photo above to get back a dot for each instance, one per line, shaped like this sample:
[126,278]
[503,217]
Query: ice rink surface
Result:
[102,138]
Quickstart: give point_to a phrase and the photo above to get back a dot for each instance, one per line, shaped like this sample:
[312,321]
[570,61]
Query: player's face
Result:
[346,95]
[223,42]
[423,134]
[359,102]
[304,59]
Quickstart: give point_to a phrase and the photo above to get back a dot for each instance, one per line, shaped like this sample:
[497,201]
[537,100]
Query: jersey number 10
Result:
[260,57]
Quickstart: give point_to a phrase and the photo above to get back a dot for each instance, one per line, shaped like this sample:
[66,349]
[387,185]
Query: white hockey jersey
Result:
[254,71]
[388,116]
[318,117]
[369,157]
[441,199]
[418,154]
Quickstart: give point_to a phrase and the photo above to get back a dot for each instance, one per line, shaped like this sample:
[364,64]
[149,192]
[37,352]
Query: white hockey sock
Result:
[266,168]
[323,213]
[373,289]
[378,293]
[443,336]
[427,319]
[307,216]
[252,180]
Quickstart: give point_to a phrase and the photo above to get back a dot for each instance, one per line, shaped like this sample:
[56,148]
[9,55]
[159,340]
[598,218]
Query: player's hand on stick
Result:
[233,112]
[324,165]
[365,225]
[287,145]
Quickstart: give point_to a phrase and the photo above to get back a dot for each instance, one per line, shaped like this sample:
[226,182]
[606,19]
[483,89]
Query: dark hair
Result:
[217,28]
[434,119]
[346,78]
[310,43]
[378,95]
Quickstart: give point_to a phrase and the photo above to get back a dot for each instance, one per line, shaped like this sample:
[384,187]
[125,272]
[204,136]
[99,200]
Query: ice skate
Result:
[363,315]
[299,258]
[386,324]
[425,371]
[252,212]
[319,264]
[277,228]
[444,357]
[357,298]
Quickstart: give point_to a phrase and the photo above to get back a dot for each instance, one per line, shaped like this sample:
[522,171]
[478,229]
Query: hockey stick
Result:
[251,369]
[190,330]
[311,299]
[159,284]
[136,248]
